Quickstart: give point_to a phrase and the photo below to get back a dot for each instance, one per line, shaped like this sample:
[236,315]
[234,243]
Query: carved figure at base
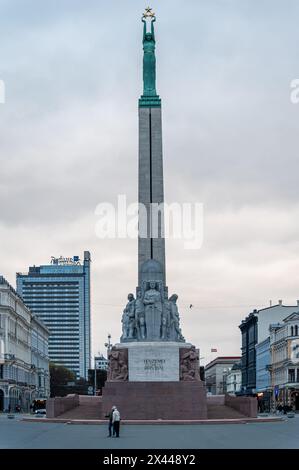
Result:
[189,365]
[186,373]
[125,324]
[140,316]
[153,311]
[152,298]
[130,309]
[117,368]
[123,371]
[175,318]
[165,324]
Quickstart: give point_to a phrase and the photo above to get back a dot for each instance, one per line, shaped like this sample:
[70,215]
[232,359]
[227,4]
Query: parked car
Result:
[41,411]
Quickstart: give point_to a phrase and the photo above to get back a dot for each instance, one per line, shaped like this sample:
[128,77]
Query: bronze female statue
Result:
[149,60]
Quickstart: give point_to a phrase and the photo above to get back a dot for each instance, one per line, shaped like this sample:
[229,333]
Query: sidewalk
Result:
[16,416]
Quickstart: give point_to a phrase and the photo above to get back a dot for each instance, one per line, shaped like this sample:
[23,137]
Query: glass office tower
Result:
[59,294]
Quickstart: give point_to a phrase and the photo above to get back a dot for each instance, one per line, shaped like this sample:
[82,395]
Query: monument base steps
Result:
[156,400]
[88,408]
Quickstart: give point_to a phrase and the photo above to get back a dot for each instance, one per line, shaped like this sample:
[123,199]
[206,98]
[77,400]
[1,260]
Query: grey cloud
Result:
[69,141]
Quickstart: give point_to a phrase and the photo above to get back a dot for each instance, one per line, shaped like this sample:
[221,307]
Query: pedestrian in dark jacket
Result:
[110,425]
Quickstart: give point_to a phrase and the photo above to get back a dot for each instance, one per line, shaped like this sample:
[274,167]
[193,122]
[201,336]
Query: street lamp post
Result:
[95,376]
[108,345]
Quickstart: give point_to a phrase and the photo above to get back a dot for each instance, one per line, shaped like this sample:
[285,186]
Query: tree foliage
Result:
[59,376]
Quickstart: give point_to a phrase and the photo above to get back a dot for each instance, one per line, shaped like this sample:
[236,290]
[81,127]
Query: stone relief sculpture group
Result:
[151,316]
[118,364]
[189,364]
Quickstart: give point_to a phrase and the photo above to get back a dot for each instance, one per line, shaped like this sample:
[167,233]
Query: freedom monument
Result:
[153,372]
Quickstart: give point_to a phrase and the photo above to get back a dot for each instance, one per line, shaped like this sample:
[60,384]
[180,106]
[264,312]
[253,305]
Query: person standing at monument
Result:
[116,421]
[110,425]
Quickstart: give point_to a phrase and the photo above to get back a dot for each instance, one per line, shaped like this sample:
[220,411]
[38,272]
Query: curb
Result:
[155,422]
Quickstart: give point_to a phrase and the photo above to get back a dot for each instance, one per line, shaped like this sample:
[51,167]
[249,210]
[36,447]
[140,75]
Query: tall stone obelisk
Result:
[150,193]
[153,373]
[152,316]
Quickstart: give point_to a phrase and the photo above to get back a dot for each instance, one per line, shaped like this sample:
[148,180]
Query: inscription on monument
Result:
[153,362]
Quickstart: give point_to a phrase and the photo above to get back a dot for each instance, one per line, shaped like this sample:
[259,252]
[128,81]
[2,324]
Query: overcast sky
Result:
[68,141]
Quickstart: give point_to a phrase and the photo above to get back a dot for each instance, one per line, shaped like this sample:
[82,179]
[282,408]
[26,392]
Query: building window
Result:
[291,375]
[296,330]
[292,331]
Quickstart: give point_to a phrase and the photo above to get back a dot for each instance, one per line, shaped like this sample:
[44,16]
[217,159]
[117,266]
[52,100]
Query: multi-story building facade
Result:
[263,365]
[101,362]
[59,294]
[248,329]
[40,359]
[284,343]
[255,330]
[263,376]
[234,379]
[20,380]
[216,373]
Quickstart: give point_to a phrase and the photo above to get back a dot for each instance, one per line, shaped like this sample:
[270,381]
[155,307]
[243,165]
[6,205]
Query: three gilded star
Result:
[148,13]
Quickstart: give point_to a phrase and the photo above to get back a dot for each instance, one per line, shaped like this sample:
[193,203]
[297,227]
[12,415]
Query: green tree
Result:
[59,378]
[101,378]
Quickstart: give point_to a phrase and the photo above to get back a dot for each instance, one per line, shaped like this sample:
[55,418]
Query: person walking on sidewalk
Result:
[116,421]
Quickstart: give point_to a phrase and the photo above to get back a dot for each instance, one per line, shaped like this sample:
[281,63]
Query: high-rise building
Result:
[101,362]
[59,294]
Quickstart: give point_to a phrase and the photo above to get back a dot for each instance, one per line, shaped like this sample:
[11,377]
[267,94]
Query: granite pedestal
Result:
[154,388]
[156,400]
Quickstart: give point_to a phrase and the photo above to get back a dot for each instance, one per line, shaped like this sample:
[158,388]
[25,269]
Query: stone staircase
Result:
[218,409]
[223,412]
[93,411]
[84,407]
[89,408]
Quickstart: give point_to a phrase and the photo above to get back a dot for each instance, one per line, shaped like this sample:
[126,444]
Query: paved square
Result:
[27,435]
